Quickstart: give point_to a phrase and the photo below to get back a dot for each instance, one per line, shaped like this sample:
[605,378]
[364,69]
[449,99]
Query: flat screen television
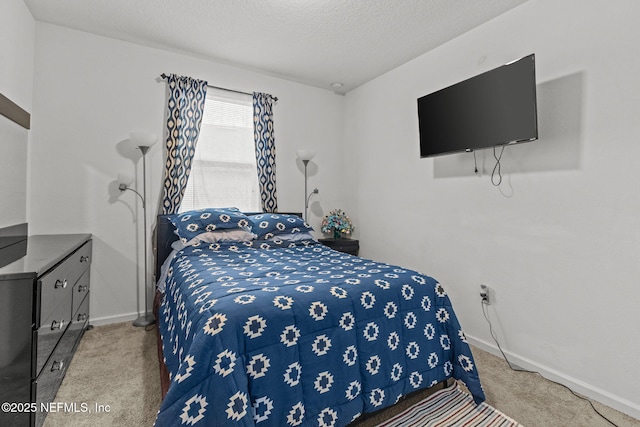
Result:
[494,108]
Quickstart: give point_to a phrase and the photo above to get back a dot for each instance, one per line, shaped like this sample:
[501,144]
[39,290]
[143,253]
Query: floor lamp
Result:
[305,156]
[143,141]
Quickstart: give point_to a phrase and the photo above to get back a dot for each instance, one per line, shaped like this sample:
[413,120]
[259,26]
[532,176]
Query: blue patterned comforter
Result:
[297,334]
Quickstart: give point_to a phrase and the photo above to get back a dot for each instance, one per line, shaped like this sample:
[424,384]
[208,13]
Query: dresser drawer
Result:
[50,332]
[55,368]
[53,372]
[56,286]
[80,291]
[81,316]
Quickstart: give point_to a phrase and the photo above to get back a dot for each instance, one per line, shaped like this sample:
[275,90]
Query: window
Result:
[224,173]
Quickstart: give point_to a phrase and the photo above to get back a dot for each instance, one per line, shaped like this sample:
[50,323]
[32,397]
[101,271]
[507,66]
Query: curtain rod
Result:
[275,98]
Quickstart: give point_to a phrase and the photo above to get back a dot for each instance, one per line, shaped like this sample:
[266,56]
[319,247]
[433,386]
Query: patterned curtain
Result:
[185,108]
[265,149]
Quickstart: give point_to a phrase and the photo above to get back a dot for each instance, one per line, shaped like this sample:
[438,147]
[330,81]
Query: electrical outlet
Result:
[484,294]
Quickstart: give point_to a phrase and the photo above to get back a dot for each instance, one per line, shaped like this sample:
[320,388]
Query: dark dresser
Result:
[44,310]
[349,246]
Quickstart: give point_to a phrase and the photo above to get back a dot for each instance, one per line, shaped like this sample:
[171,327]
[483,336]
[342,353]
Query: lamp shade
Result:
[142,139]
[125,178]
[304,154]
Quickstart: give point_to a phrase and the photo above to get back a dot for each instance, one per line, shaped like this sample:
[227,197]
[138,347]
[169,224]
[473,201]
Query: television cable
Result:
[475,161]
[518,369]
[497,168]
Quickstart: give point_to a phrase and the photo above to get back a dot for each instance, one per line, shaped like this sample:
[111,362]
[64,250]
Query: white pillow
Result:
[293,237]
[235,235]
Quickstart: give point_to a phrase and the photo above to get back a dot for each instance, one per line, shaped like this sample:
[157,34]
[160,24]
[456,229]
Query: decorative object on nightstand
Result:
[337,222]
[305,156]
[143,141]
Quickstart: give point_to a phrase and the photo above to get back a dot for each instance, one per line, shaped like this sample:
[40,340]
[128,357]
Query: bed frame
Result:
[164,238]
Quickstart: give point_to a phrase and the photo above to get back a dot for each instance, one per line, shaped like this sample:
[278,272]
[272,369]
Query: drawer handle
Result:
[60,284]
[57,366]
[57,325]
[84,258]
[82,317]
[82,288]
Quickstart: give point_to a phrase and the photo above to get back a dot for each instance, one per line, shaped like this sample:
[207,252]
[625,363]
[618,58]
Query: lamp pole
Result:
[143,141]
[145,319]
[305,156]
[306,200]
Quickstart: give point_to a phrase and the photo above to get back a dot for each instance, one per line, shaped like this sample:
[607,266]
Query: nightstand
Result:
[349,246]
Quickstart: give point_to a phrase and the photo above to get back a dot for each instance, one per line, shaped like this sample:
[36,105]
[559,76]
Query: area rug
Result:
[450,407]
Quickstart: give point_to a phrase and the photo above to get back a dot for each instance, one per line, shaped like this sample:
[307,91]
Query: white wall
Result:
[17,44]
[90,92]
[558,243]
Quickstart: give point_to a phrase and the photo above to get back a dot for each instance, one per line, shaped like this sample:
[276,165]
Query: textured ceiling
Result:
[315,42]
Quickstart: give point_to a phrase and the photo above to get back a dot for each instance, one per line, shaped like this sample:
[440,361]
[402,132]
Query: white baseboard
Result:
[107,320]
[616,402]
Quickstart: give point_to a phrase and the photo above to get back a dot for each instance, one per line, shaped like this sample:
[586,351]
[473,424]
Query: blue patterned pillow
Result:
[192,223]
[268,225]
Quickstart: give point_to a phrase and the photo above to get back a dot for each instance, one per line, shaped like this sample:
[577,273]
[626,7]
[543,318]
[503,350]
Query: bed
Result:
[261,325]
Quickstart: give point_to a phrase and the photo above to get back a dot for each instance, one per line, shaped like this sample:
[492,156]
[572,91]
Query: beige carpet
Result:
[116,366]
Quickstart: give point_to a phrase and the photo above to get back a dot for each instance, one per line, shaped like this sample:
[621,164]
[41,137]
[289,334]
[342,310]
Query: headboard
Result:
[165,236]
